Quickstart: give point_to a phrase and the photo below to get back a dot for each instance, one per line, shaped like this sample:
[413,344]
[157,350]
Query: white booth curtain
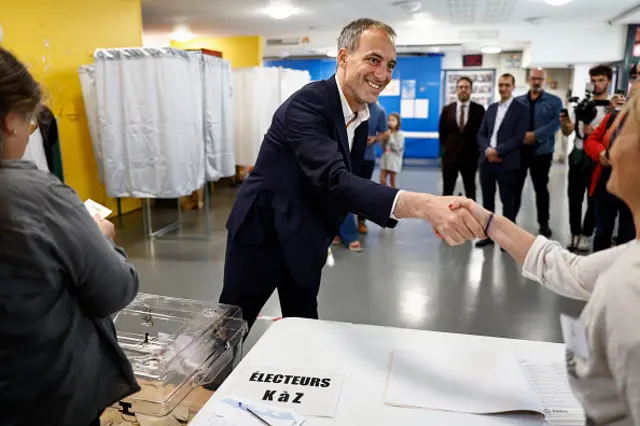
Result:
[257,94]
[160,126]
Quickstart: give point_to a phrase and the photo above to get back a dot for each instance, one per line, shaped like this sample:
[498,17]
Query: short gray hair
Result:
[350,35]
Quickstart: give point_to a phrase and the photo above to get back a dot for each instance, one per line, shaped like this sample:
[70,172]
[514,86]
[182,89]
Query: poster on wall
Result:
[392,89]
[408,89]
[483,85]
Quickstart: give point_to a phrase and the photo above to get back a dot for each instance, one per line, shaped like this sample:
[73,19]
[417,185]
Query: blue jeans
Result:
[348,230]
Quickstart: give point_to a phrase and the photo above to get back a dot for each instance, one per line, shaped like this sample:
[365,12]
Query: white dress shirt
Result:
[35,151]
[466,112]
[352,120]
[503,107]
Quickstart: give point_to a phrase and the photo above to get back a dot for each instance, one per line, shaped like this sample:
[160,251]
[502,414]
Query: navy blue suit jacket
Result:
[510,134]
[305,181]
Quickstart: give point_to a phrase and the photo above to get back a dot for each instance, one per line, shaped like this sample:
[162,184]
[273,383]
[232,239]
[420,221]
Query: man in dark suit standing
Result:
[306,179]
[500,138]
[459,125]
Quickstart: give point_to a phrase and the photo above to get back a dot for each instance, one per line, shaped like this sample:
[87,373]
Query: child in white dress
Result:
[392,152]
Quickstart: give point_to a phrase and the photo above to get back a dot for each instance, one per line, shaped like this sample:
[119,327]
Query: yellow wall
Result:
[242,51]
[54,39]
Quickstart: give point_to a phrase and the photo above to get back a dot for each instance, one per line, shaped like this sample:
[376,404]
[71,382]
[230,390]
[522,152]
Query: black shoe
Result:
[545,231]
[484,243]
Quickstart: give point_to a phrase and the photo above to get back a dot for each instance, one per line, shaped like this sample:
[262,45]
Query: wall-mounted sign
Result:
[472,60]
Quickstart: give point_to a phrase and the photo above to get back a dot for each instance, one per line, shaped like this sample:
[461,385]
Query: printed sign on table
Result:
[310,393]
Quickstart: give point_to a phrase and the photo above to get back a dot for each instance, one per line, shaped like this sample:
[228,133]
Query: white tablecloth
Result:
[362,353]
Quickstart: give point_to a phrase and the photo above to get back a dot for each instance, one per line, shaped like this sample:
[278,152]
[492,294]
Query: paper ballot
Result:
[231,411]
[479,380]
[97,209]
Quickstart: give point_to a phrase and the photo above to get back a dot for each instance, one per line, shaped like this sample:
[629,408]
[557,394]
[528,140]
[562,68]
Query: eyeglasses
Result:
[33,126]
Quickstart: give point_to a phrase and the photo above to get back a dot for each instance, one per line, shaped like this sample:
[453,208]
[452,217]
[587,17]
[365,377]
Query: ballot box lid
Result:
[175,345]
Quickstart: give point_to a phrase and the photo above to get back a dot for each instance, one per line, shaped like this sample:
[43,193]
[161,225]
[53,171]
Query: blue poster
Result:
[408,89]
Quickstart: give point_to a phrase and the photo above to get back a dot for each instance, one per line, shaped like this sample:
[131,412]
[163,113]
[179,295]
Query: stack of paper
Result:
[549,380]
[481,380]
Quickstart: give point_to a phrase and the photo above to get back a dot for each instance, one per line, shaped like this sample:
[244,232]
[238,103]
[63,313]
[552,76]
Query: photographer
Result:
[588,114]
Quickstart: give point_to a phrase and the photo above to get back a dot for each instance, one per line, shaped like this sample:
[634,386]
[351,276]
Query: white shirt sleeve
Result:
[565,273]
[393,206]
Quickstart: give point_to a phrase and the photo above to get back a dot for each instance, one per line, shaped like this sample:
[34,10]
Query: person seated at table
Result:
[61,277]
[605,379]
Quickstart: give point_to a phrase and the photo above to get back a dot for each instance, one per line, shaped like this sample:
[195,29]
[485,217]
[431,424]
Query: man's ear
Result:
[342,58]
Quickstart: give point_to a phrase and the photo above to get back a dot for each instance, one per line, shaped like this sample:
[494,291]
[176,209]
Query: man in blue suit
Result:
[306,179]
[499,140]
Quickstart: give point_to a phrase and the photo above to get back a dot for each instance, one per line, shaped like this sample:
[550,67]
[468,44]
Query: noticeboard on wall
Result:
[483,85]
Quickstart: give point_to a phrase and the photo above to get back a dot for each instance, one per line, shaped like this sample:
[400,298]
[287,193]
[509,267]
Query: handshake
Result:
[454,219]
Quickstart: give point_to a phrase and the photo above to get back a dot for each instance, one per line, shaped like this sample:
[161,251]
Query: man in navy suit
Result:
[500,138]
[306,179]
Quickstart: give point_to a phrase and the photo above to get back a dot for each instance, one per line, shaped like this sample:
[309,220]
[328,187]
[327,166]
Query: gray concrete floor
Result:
[406,277]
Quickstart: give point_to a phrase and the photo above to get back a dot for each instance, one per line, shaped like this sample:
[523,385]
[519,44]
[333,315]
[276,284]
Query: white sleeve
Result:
[565,273]
[393,206]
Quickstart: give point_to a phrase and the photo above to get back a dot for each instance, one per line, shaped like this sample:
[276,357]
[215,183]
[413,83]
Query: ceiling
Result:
[246,17]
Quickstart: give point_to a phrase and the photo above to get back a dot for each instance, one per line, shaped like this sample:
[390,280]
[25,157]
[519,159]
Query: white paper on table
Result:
[97,209]
[549,380]
[480,379]
[407,108]
[227,412]
[422,108]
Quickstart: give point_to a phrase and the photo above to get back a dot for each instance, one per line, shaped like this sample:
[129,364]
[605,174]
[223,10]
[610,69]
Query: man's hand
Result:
[492,156]
[565,123]
[106,227]
[453,226]
[564,119]
[604,160]
[372,140]
[529,138]
[617,101]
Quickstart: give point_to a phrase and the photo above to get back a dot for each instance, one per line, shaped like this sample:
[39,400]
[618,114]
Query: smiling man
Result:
[305,181]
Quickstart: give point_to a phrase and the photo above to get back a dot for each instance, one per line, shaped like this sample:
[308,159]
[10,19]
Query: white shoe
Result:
[573,245]
[584,244]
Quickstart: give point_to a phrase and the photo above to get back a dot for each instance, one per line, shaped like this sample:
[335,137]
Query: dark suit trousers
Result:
[538,167]
[579,182]
[450,173]
[507,180]
[607,206]
[253,272]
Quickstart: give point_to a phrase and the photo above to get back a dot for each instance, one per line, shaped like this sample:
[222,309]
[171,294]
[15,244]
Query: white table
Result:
[362,353]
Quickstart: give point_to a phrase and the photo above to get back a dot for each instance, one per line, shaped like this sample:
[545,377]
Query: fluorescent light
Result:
[332,53]
[181,34]
[557,2]
[421,19]
[280,10]
[491,50]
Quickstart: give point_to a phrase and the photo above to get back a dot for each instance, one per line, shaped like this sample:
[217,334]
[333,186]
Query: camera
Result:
[585,109]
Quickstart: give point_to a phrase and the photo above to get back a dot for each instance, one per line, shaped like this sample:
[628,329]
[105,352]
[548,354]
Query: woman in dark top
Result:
[61,277]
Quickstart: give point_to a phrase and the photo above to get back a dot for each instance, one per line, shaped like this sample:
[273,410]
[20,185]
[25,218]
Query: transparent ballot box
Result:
[175,346]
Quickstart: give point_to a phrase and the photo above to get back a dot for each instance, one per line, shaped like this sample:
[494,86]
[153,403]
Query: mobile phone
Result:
[564,111]
[620,92]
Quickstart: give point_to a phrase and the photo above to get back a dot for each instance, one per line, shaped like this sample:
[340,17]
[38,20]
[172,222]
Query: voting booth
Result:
[175,347]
